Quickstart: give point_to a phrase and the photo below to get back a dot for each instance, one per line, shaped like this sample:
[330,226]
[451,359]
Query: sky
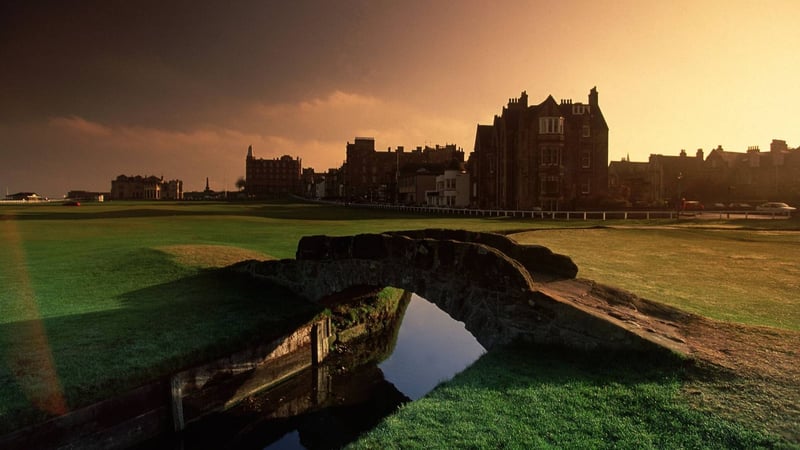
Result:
[90,90]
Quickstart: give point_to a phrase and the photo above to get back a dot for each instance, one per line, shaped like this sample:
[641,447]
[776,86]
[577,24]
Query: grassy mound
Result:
[210,256]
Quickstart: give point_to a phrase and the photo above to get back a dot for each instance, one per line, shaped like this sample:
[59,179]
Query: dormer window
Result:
[551,125]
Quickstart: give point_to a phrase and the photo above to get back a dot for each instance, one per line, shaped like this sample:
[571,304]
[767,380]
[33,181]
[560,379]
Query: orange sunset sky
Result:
[93,89]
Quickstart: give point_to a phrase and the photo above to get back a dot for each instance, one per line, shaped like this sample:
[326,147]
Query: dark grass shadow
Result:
[157,330]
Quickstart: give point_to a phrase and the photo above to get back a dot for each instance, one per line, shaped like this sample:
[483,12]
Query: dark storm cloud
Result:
[170,63]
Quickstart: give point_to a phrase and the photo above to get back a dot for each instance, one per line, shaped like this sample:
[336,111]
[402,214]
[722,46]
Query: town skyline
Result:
[99,90]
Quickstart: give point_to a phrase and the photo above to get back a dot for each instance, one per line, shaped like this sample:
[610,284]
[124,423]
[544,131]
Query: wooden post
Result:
[177,403]
[320,333]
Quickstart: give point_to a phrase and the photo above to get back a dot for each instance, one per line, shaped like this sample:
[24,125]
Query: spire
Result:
[249,151]
[207,184]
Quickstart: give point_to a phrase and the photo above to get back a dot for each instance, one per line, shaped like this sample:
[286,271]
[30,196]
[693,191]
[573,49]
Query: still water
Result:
[330,406]
[431,347]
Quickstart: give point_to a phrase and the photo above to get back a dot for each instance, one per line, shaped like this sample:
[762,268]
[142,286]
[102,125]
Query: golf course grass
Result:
[105,297]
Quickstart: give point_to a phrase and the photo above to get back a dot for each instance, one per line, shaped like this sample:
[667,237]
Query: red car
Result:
[692,205]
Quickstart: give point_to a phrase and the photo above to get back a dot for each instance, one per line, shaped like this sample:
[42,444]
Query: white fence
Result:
[573,215]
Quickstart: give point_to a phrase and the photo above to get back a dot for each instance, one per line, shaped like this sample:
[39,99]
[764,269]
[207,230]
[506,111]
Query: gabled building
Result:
[551,155]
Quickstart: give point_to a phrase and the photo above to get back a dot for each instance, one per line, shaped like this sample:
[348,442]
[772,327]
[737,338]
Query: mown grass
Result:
[545,398]
[101,298]
[736,275]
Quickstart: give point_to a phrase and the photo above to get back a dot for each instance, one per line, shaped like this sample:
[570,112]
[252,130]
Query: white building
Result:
[452,190]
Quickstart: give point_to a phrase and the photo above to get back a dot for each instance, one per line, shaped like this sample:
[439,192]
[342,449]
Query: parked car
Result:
[692,205]
[742,206]
[775,208]
[691,208]
[72,203]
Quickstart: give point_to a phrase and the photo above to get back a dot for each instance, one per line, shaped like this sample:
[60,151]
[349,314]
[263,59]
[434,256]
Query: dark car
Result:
[72,203]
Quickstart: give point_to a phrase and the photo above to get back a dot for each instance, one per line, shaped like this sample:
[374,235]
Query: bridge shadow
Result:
[153,331]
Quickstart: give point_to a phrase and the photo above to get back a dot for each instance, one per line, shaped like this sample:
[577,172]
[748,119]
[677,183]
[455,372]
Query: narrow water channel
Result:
[329,406]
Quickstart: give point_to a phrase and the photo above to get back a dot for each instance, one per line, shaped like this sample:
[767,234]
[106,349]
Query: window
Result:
[550,185]
[451,183]
[586,187]
[586,131]
[551,125]
[586,159]
[551,156]
[580,108]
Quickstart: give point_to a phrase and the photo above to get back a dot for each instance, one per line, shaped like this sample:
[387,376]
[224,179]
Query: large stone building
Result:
[551,155]
[374,176]
[145,188]
[272,177]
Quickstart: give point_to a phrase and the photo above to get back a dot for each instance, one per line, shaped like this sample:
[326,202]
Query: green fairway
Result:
[104,297]
[745,276]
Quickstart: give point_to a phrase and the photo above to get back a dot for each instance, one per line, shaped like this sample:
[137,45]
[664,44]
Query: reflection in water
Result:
[431,348]
[331,405]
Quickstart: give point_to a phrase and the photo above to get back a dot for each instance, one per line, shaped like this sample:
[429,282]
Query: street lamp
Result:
[679,202]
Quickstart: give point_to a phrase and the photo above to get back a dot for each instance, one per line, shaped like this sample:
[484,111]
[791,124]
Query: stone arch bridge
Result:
[502,291]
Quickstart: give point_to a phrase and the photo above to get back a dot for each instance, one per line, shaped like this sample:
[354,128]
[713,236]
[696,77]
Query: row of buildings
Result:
[550,155]
[425,175]
[725,177]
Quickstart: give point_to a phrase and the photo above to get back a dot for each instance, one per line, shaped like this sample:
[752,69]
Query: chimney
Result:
[593,96]
[700,154]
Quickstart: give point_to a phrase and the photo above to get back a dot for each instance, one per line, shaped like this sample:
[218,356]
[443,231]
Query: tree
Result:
[241,183]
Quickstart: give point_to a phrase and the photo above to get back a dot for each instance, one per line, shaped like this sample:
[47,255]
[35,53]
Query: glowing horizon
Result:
[126,96]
